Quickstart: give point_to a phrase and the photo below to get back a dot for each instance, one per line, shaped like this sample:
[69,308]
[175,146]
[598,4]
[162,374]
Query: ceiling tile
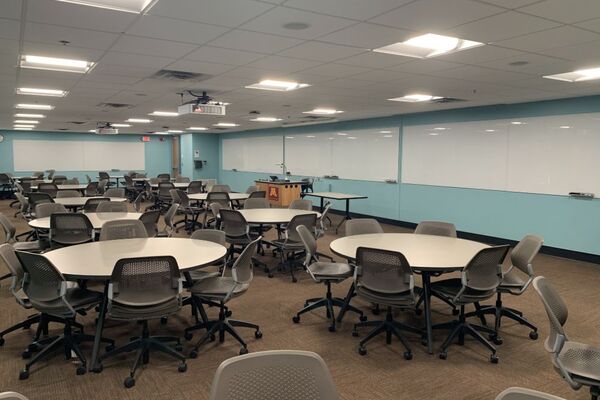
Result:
[283,64]
[479,54]
[152,47]
[11,9]
[230,13]
[423,66]
[510,3]
[58,50]
[371,59]
[120,70]
[536,64]
[43,33]
[355,9]
[336,70]
[223,56]
[503,26]
[9,29]
[378,75]
[475,73]
[175,29]
[592,25]
[127,60]
[200,67]
[9,47]
[550,38]
[254,41]
[319,51]
[569,11]
[436,15]
[586,54]
[367,36]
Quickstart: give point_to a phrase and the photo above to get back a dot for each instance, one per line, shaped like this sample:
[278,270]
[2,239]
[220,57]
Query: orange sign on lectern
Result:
[273,193]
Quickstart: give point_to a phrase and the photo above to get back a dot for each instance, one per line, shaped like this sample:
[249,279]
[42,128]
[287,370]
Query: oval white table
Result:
[96,260]
[97,219]
[273,216]
[232,196]
[77,202]
[427,254]
[177,185]
[78,187]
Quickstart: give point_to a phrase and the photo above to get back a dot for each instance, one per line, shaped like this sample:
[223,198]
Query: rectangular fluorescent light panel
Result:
[26,121]
[164,114]
[42,92]
[121,125]
[34,106]
[197,128]
[415,98]
[265,119]
[428,45]
[139,120]
[22,129]
[577,76]
[56,64]
[280,86]
[226,124]
[174,131]
[23,126]
[21,115]
[323,111]
[130,6]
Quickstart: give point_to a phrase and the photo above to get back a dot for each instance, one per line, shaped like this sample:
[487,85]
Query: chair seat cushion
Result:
[330,270]
[217,287]
[511,283]
[402,299]
[449,289]
[79,299]
[289,245]
[129,312]
[581,359]
[202,274]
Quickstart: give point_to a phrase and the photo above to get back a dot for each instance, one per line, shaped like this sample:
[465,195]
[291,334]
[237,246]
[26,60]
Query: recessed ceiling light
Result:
[92,131]
[564,127]
[197,128]
[23,126]
[265,119]
[22,129]
[433,134]
[415,98]
[55,64]
[34,106]
[490,130]
[342,134]
[121,125]
[517,123]
[331,138]
[385,131]
[42,92]
[26,121]
[131,6]
[296,26]
[139,120]
[323,111]
[428,45]
[581,75]
[226,124]
[439,128]
[21,115]
[164,114]
[280,86]
[289,137]
[174,131]
[310,136]
[351,137]
[387,136]
[161,133]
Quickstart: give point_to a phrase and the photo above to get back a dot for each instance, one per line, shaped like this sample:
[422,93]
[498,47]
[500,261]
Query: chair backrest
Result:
[38,175]
[557,312]
[383,271]
[5,179]
[175,196]
[220,188]
[137,203]
[23,205]
[164,189]
[233,223]
[210,235]
[68,193]
[49,188]
[362,226]
[484,272]
[321,221]
[219,197]
[123,229]
[524,252]
[184,200]
[274,375]
[12,396]
[112,206]
[301,204]
[59,179]
[72,181]
[308,220]
[258,194]
[436,228]
[102,184]
[517,393]
[115,192]
[51,173]
[195,187]
[47,209]
[92,204]
[102,175]
[36,198]
[129,183]
[8,255]
[182,179]
[170,217]
[241,271]
[91,189]
[145,281]
[310,244]
[70,228]
[150,221]
[164,177]
[88,178]
[252,188]
[8,228]
[251,203]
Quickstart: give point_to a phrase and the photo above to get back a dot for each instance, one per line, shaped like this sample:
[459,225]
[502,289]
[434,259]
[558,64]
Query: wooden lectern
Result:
[280,193]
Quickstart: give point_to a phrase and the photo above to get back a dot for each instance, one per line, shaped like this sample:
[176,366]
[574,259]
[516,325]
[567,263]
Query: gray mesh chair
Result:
[326,273]
[38,175]
[578,363]
[12,396]
[220,198]
[51,173]
[137,203]
[104,176]
[195,187]
[68,193]
[49,188]
[362,226]
[321,228]
[115,192]
[164,177]
[91,189]
[258,194]
[150,221]
[142,289]
[436,228]
[517,393]
[163,198]
[222,289]
[123,229]
[191,212]
[515,282]
[478,282]
[36,198]
[274,375]
[72,181]
[182,179]
[210,235]
[384,277]
[10,236]
[237,232]
[70,229]
[103,184]
[252,203]
[301,204]
[251,189]
[49,293]
[290,246]
[112,206]
[169,218]
[220,188]
[44,210]
[92,204]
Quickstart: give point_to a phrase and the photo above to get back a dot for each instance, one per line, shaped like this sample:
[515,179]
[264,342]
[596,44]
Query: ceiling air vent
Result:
[114,105]
[447,100]
[172,75]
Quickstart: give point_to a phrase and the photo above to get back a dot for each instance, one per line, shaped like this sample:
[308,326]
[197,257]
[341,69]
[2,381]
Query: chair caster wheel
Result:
[296,319]
[228,313]
[331,329]
[1,341]
[32,347]
[362,318]
[355,333]
[26,354]
[213,338]
[455,311]
[362,351]
[24,374]
[443,355]
[418,311]
[375,311]
[109,348]
[243,350]
[423,340]
[182,367]
[408,355]
[81,370]
[98,369]
[494,359]
[188,336]
[270,275]
[178,347]
[496,339]
[294,280]
[533,335]
[258,335]
[129,382]
[193,354]
[163,321]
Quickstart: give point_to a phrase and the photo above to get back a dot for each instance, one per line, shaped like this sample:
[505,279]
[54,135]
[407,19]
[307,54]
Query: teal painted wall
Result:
[158,154]
[208,146]
[564,222]
[186,152]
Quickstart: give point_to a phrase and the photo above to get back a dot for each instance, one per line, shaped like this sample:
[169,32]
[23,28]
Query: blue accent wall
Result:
[158,153]
[564,222]
[208,146]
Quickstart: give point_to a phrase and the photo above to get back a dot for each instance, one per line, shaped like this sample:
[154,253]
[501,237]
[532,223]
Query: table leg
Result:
[346,217]
[321,204]
[427,309]
[99,326]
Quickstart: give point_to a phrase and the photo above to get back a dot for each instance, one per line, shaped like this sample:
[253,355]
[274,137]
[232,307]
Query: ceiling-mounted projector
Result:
[202,105]
[105,128]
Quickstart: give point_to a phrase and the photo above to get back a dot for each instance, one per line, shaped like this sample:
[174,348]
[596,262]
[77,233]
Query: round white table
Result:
[75,202]
[97,219]
[273,216]
[427,254]
[232,196]
[96,260]
[65,187]
[177,185]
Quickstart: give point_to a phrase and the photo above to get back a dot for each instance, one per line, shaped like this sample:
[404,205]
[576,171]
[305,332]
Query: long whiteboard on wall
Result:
[363,154]
[253,154]
[77,155]
[548,155]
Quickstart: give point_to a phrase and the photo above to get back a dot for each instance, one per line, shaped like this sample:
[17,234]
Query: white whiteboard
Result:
[77,155]
[253,154]
[548,155]
[362,154]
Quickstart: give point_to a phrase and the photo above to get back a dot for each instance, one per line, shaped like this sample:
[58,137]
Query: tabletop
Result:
[96,260]
[97,219]
[273,215]
[232,196]
[178,185]
[335,196]
[80,201]
[66,187]
[421,251]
